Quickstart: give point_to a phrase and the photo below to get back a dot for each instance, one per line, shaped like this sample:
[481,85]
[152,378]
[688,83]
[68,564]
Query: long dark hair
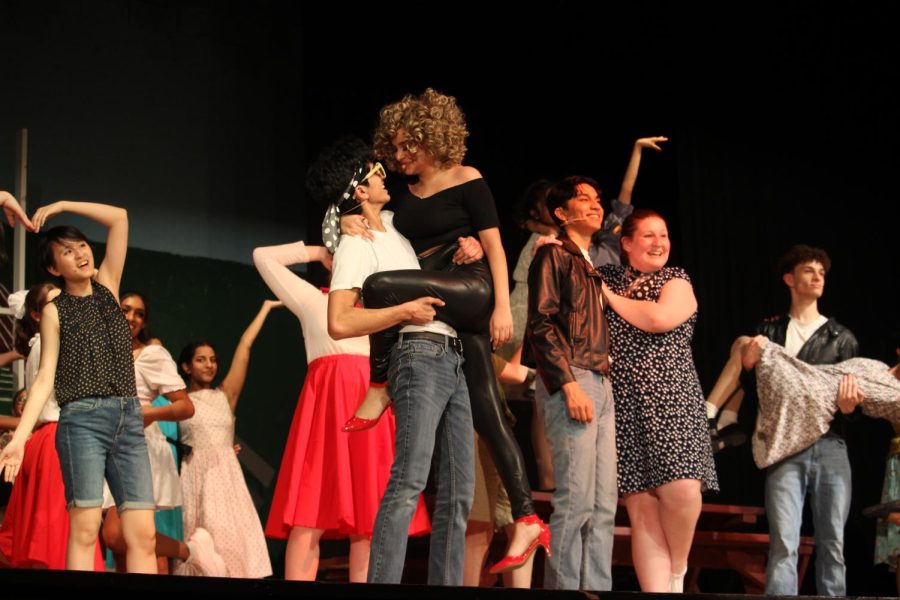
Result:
[187,356]
[27,326]
[143,335]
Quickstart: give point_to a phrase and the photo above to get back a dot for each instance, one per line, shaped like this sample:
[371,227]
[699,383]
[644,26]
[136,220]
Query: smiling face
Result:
[807,280]
[648,247]
[73,260]
[203,366]
[135,312]
[411,157]
[372,189]
[583,212]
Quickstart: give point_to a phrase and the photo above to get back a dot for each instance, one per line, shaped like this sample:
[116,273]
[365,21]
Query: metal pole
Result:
[18,280]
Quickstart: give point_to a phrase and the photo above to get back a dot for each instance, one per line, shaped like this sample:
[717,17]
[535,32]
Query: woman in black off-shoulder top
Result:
[423,137]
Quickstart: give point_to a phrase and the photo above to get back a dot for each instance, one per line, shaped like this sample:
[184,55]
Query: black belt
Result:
[440,338]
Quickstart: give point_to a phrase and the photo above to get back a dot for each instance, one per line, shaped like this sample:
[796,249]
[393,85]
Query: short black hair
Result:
[57,234]
[328,176]
[564,190]
[801,254]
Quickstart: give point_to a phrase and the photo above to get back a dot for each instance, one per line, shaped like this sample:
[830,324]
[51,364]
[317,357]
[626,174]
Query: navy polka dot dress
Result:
[661,427]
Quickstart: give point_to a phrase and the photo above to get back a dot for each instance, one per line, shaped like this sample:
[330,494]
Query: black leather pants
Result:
[469,296]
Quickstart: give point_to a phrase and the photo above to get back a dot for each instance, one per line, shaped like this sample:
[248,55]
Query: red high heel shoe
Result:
[511,563]
[355,424]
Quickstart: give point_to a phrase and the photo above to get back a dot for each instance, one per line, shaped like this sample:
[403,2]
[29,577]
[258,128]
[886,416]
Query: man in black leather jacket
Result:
[568,336]
[823,469]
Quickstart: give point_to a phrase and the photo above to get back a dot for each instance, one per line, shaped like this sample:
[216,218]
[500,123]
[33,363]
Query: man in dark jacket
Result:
[568,335]
[823,469]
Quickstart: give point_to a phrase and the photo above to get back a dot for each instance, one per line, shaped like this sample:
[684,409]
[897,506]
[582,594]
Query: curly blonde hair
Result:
[432,120]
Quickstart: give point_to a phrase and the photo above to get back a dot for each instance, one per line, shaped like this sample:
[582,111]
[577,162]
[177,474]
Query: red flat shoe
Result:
[355,424]
[511,563]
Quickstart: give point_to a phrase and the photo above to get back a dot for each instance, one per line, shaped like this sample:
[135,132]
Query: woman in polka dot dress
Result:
[664,456]
[216,497]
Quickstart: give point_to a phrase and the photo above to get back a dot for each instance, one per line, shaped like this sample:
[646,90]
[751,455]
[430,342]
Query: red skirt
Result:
[329,479]
[35,530]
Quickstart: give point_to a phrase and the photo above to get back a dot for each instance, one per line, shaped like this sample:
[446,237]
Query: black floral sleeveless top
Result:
[95,356]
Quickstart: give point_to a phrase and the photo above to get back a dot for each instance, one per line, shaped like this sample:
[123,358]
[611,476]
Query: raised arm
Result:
[634,165]
[11,457]
[13,211]
[115,219]
[272,263]
[676,304]
[237,373]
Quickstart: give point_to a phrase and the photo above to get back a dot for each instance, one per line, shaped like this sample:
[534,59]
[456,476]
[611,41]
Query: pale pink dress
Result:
[215,493]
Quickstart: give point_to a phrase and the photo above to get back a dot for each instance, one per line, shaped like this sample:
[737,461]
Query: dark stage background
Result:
[200,117]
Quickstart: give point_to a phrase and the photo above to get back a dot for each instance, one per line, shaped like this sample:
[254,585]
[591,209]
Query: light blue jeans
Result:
[433,416]
[104,437]
[822,471]
[584,503]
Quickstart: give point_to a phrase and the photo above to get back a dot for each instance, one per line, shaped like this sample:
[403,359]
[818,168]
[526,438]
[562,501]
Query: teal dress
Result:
[169,522]
[887,535]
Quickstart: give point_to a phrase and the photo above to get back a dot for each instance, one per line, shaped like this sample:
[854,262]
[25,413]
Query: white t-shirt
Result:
[797,334]
[356,258]
[155,374]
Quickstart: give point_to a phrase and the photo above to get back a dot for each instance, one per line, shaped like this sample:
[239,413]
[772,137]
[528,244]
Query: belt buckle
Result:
[456,344]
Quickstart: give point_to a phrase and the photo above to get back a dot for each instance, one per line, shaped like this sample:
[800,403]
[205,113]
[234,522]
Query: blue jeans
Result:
[433,416]
[823,471]
[584,503]
[99,437]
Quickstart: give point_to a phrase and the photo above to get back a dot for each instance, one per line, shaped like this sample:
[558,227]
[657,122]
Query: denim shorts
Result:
[104,437]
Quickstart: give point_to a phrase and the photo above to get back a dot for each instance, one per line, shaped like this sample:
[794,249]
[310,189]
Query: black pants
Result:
[469,295]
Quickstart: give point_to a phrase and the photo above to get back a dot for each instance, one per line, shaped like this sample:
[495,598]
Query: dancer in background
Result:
[330,483]
[216,497]
[157,374]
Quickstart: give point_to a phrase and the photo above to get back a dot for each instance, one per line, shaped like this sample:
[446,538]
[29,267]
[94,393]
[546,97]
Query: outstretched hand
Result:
[652,142]
[11,460]
[14,212]
[270,304]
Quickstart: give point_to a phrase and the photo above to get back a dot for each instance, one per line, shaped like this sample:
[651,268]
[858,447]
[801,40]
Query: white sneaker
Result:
[204,556]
